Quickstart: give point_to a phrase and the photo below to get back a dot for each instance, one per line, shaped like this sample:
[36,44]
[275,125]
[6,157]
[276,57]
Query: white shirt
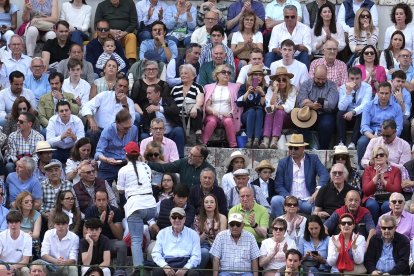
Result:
[297,68]
[142,11]
[200,36]
[274,10]
[56,128]
[67,248]
[137,191]
[408,35]
[298,184]
[81,90]
[79,18]
[7,99]
[104,108]
[244,71]
[300,35]
[268,246]
[238,38]
[355,6]
[13,251]
[357,254]
[338,36]
[290,101]
[10,65]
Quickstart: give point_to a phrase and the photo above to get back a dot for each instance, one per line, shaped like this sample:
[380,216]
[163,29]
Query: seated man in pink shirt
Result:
[169,147]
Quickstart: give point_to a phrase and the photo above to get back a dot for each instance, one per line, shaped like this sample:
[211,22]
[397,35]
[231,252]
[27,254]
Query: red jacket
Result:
[393,178]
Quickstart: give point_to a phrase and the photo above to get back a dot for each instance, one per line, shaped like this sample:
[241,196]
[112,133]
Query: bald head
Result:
[353,201]
[321,74]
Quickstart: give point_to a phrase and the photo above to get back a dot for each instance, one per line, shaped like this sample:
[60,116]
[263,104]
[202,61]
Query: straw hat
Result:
[264,164]
[238,154]
[303,117]
[296,140]
[257,69]
[340,149]
[43,146]
[281,71]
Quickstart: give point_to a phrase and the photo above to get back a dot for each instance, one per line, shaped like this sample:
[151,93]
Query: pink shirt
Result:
[337,73]
[169,148]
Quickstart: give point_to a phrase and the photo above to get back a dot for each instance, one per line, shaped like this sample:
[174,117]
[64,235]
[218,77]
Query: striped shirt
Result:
[192,93]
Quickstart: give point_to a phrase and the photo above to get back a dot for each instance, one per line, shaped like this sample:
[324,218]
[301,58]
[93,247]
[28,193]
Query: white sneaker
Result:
[351,146]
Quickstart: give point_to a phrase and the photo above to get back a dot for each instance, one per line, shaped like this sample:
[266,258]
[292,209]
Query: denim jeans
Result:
[277,206]
[253,121]
[136,227]
[376,209]
[78,37]
[362,144]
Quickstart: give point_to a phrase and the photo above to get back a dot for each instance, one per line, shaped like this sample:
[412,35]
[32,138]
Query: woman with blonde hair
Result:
[220,106]
[281,98]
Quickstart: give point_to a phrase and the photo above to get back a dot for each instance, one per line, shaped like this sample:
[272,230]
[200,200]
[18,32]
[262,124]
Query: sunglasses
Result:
[343,223]
[293,148]
[369,53]
[21,121]
[291,204]
[365,16]
[177,217]
[235,223]
[387,228]
[102,29]
[279,229]
[341,157]
[224,72]
[281,80]
[380,155]
[290,17]
[397,201]
[336,173]
[153,154]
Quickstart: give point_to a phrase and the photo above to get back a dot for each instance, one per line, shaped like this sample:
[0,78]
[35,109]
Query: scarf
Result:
[344,260]
[360,214]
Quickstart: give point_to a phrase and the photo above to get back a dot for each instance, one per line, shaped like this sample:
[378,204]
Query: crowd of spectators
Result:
[94,129]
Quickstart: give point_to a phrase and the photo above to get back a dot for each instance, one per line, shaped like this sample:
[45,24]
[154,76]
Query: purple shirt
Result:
[404,226]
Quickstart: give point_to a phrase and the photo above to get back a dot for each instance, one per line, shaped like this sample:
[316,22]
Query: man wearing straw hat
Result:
[296,175]
[320,95]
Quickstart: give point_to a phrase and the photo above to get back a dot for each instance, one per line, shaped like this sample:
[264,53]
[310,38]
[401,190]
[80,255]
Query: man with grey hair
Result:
[192,54]
[405,220]
[206,71]
[388,251]
[16,60]
[332,196]
[37,268]
[169,148]
[292,29]
[37,81]
[23,180]
[207,186]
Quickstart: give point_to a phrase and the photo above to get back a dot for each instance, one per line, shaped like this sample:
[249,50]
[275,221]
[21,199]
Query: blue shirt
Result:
[356,100]
[3,222]
[236,8]
[149,45]
[16,186]
[39,87]
[111,145]
[386,261]
[322,248]
[169,245]
[409,74]
[373,116]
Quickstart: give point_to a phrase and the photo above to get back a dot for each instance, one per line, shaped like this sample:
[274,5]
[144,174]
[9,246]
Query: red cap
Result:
[132,148]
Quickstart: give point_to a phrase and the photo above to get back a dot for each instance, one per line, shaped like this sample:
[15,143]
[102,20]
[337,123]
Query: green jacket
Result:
[46,107]
[189,175]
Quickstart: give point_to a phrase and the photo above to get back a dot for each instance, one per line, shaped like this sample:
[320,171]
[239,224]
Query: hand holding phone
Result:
[321,101]
[255,82]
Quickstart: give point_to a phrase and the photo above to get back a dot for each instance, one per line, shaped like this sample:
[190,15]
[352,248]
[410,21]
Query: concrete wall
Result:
[384,8]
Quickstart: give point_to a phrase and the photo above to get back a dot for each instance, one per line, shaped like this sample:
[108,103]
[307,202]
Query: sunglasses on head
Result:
[153,154]
[343,223]
[389,228]
[174,217]
[235,223]
[278,229]
[337,173]
[369,53]
[293,148]
[397,201]
[102,29]
[380,155]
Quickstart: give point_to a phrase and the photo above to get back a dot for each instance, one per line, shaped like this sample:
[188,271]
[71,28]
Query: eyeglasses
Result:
[235,223]
[278,229]
[281,80]
[174,217]
[224,72]
[380,155]
[157,128]
[290,17]
[365,16]
[397,201]
[28,201]
[389,228]
[69,198]
[21,122]
[337,173]
[89,172]
[343,223]
[293,148]
[153,154]
[102,30]
[405,56]
[291,204]
[341,157]
[369,53]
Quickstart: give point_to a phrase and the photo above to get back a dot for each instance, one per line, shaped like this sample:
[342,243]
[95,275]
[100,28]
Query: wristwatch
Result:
[255,225]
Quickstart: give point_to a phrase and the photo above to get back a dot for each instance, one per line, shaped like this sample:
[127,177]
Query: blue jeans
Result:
[144,35]
[108,172]
[325,125]
[61,154]
[78,37]
[186,41]
[253,121]
[362,144]
[277,206]
[178,136]
[376,209]
[205,254]
[136,228]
